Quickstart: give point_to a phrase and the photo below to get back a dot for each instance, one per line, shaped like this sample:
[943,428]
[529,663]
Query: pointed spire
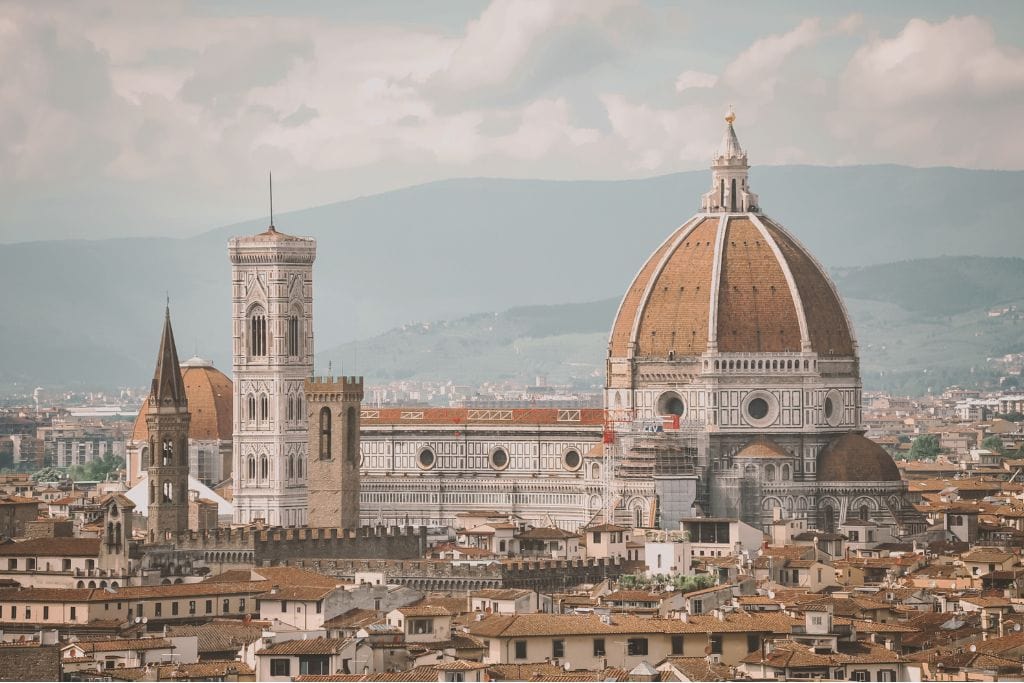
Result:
[272,228]
[730,147]
[168,387]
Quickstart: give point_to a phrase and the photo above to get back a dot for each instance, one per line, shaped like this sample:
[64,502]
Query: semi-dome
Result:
[209,394]
[730,280]
[762,447]
[853,457]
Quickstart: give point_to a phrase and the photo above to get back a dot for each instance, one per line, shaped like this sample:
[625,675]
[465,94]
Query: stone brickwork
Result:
[334,414]
[30,663]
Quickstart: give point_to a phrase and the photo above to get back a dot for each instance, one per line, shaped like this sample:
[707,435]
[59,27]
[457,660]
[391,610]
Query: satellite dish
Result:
[973,648]
[1016,627]
[145,620]
[567,666]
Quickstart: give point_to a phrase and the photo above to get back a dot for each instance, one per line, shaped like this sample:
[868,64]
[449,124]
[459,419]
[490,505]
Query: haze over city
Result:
[520,340]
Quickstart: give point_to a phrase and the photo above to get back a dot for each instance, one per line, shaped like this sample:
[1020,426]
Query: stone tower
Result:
[167,420]
[334,406]
[272,311]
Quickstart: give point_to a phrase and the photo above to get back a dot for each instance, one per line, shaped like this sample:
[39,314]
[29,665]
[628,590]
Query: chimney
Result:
[685,617]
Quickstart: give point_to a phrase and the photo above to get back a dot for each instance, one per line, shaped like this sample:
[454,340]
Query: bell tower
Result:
[167,421]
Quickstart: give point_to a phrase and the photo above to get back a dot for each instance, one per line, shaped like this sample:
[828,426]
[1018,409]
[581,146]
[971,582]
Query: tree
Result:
[995,444]
[925,447]
[49,474]
[96,469]
[695,582]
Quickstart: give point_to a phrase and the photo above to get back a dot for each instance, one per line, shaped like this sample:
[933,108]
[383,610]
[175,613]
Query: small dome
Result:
[763,447]
[852,457]
[209,393]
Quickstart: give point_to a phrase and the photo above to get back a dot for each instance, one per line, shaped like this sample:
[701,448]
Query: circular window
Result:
[671,403]
[499,459]
[572,460]
[426,459]
[757,408]
[760,409]
[833,408]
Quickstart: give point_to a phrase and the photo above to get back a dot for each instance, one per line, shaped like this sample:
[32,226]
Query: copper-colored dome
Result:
[852,457]
[763,447]
[736,282]
[209,394]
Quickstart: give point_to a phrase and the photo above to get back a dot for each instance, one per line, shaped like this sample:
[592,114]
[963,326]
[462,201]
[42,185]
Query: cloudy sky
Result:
[162,118]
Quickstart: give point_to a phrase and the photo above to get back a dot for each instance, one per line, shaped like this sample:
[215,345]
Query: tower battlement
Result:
[324,389]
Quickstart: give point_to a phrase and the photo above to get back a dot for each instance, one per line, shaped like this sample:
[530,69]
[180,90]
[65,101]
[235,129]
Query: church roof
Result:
[730,281]
[168,387]
[763,447]
[852,457]
[210,397]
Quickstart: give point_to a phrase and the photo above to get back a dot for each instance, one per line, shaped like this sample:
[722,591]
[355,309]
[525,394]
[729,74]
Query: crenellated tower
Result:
[334,408]
[167,420]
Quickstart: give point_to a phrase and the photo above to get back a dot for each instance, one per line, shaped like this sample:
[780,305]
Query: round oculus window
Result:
[426,459]
[499,459]
[671,403]
[757,408]
[829,408]
[833,407]
[572,460]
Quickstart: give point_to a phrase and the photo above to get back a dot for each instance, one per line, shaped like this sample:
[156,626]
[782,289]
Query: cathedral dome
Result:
[852,457]
[730,280]
[209,394]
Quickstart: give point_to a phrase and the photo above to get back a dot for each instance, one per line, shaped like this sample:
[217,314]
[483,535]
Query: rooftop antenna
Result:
[271,200]
[329,370]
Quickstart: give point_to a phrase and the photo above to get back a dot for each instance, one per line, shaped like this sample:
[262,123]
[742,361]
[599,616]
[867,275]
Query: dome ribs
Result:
[622,329]
[827,323]
[755,310]
[679,298]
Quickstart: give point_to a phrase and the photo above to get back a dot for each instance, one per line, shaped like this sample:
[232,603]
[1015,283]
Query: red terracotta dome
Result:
[209,393]
[853,457]
[738,283]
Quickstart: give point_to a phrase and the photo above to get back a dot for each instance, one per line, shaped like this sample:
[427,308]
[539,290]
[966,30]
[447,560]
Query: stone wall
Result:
[30,663]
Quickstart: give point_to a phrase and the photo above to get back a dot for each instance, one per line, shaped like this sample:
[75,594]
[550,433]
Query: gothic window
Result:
[252,407]
[732,197]
[299,415]
[290,408]
[769,473]
[325,433]
[257,332]
[252,468]
[828,521]
[291,467]
[864,512]
[264,407]
[167,452]
[168,492]
[264,468]
[293,335]
[351,435]
[785,473]
[298,467]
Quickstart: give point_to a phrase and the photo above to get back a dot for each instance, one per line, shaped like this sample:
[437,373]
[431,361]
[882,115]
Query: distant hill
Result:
[88,313]
[909,342]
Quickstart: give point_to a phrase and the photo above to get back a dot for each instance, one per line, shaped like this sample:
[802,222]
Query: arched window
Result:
[168,492]
[264,407]
[732,197]
[352,435]
[721,193]
[167,452]
[293,335]
[299,415]
[264,468]
[828,519]
[638,517]
[769,473]
[325,433]
[252,407]
[257,332]
[865,511]
[298,467]
[785,476]
[290,408]
[291,467]
[252,468]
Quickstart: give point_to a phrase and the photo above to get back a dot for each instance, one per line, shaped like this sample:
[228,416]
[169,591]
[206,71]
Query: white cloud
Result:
[695,79]
[758,66]
[937,93]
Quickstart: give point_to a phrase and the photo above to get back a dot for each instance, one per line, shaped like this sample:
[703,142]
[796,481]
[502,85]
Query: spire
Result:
[730,147]
[272,228]
[729,192]
[168,387]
